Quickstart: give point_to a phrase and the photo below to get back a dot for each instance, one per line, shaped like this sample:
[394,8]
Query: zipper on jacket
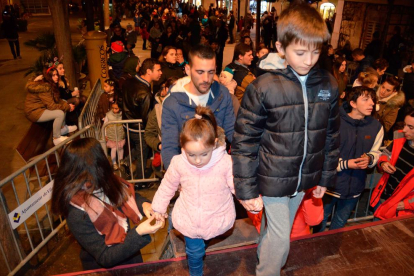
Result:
[305,146]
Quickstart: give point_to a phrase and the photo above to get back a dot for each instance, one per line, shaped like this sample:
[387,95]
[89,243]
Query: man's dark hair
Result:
[241,49]
[409,112]
[380,63]
[359,91]
[201,51]
[149,63]
[357,52]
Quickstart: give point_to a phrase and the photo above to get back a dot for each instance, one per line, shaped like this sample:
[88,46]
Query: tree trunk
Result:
[258,23]
[61,28]
[100,12]
[90,20]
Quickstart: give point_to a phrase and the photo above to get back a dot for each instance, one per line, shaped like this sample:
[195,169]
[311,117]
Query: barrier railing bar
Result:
[41,186]
[35,213]
[5,258]
[34,252]
[42,156]
[8,222]
[140,146]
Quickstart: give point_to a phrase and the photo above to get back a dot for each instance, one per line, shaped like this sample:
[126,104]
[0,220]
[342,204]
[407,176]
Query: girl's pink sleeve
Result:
[230,181]
[167,189]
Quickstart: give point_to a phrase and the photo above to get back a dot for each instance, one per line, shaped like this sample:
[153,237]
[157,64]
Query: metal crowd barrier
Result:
[88,114]
[19,197]
[129,159]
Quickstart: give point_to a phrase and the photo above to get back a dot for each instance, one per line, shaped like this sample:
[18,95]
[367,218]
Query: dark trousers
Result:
[141,163]
[343,210]
[13,44]
[195,250]
[231,34]
[144,44]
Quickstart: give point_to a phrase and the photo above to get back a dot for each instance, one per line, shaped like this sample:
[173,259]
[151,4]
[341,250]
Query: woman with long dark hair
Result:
[339,72]
[169,66]
[43,103]
[98,205]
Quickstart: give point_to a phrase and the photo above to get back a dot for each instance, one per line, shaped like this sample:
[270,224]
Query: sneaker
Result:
[67,129]
[19,57]
[72,128]
[57,141]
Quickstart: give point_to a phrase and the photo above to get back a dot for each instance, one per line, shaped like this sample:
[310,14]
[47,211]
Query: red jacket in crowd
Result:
[404,191]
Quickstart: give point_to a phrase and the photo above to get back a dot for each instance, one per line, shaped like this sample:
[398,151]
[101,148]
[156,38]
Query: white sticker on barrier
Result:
[25,210]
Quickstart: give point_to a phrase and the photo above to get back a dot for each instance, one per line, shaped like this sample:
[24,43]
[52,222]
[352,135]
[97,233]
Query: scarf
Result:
[107,219]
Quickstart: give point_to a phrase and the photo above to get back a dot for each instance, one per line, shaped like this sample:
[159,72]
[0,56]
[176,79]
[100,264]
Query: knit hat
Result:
[228,70]
[117,46]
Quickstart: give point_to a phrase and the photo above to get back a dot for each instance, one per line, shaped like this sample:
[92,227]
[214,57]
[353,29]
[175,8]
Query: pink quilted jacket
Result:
[205,208]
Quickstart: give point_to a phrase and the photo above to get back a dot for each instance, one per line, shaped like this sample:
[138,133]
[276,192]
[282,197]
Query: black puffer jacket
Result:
[137,100]
[286,140]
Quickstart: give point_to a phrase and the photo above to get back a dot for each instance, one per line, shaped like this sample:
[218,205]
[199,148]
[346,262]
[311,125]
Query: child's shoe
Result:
[67,129]
[57,141]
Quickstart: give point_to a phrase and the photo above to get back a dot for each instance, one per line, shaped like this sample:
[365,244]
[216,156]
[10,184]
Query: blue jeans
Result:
[343,210]
[195,250]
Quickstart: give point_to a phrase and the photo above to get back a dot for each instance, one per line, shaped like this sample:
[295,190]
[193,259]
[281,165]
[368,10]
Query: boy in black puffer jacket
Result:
[286,135]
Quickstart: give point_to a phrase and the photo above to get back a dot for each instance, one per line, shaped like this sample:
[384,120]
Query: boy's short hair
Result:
[380,63]
[148,63]
[359,91]
[241,49]
[357,52]
[201,51]
[301,23]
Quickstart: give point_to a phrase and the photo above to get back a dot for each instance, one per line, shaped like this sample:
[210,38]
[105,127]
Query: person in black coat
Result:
[98,206]
[10,28]
[169,67]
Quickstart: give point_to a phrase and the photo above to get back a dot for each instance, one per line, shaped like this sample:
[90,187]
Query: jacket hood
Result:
[179,85]
[130,65]
[395,100]
[36,87]
[118,57]
[271,61]
[216,156]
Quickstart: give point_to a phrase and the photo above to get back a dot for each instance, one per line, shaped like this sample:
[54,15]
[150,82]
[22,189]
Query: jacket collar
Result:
[354,122]
[216,156]
[142,80]
[178,92]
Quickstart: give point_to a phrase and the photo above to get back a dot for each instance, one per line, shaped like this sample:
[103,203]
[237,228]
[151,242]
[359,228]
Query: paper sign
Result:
[25,210]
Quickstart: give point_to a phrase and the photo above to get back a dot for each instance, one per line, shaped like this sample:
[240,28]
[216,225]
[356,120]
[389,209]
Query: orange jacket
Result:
[404,191]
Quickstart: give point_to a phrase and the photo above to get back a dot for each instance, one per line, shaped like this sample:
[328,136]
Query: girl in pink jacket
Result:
[205,208]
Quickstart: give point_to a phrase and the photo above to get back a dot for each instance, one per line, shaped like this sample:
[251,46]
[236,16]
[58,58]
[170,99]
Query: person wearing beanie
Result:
[117,59]
[226,79]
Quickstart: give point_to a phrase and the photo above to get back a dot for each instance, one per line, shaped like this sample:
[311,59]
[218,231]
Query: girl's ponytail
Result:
[202,127]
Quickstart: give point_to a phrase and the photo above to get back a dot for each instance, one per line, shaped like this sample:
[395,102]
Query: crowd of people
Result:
[282,128]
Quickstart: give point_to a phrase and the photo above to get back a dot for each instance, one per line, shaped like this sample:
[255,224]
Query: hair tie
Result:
[198,116]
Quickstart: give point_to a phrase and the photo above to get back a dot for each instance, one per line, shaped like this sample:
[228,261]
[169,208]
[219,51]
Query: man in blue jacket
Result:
[198,88]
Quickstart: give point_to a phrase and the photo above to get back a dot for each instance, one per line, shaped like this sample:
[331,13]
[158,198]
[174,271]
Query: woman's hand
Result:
[75,93]
[147,207]
[72,107]
[160,217]
[146,228]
